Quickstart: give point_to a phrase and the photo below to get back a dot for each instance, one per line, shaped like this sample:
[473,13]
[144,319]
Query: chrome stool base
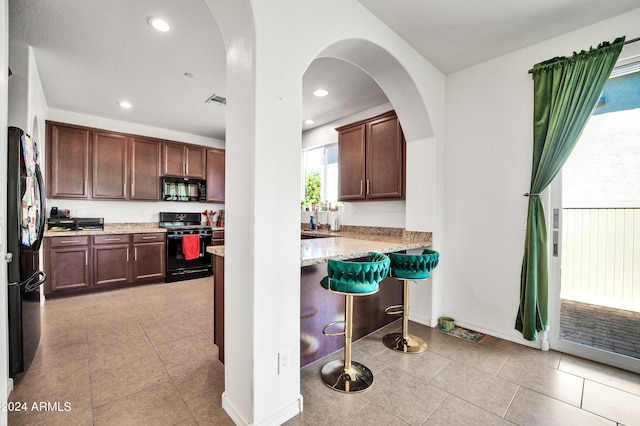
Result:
[408,344]
[357,378]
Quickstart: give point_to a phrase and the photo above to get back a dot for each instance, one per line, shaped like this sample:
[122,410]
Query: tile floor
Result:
[145,355]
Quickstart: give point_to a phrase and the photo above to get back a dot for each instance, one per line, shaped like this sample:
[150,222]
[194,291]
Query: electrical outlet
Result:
[284,361]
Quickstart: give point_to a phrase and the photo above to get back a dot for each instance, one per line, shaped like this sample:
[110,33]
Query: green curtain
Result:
[565,92]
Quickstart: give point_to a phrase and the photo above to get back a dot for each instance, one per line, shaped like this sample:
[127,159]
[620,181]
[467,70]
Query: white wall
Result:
[129,211]
[487,170]
[4,92]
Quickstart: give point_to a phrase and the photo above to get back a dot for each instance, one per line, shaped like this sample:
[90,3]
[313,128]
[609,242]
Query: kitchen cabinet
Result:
[67,160]
[217,238]
[109,166]
[67,264]
[371,159]
[96,164]
[149,257]
[82,264]
[215,175]
[111,260]
[183,160]
[145,157]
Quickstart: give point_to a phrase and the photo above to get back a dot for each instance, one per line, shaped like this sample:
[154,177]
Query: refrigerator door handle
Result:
[34,281]
[43,208]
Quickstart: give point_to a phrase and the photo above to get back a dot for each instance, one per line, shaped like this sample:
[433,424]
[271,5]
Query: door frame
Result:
[552,199]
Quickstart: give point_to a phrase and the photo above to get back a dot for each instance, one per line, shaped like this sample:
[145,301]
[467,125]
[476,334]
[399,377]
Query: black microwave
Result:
[183,189]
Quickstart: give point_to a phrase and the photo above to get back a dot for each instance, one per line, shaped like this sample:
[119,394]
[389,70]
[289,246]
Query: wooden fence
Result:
[601,257]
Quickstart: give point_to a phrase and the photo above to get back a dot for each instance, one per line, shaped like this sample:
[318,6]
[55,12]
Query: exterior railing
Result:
[601,257]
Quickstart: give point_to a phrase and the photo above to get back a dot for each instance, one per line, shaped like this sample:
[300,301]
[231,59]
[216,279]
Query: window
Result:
[321,175]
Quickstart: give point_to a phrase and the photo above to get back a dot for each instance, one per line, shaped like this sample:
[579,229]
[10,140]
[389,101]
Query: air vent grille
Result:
[216,98]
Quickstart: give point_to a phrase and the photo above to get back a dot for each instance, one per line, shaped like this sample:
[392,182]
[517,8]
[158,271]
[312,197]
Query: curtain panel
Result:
[566,90]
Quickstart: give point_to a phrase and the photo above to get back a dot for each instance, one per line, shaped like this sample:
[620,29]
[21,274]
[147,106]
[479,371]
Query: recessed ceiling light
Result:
[159,24]
[309,121]
[320,92]
[125,104]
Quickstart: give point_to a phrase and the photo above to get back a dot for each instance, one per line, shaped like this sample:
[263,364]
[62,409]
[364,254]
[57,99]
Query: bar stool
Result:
[351,279]
[408,267]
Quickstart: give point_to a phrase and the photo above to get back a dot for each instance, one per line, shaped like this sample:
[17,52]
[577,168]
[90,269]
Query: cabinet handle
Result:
[86,259]
[135,253]
[111,239]
[368,186]
[69,242]
[149,238]
[127,254]
[184,168]
[361,186]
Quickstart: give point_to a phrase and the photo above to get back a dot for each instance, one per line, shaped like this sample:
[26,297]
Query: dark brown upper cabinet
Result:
[67,159]
[371,159]
[144,157]
[109,165]
[215,175]
[183,160]
[88,163]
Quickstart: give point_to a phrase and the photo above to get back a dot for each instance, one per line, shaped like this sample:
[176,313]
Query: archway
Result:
[262,295]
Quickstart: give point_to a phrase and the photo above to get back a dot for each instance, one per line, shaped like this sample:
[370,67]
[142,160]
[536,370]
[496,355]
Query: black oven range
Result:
[187,241]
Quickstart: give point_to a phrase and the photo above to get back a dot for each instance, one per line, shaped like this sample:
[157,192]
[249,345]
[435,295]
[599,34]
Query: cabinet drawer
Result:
[218,235]
[69,241]
[111,239]
[148,238]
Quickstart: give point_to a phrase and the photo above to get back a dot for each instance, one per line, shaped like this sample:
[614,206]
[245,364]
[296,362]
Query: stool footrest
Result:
[341,333]
[394,310]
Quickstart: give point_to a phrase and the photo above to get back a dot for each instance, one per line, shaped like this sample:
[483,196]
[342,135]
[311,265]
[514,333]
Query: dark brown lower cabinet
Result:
[67,264]
[111,260]
[89,263]
[149,257]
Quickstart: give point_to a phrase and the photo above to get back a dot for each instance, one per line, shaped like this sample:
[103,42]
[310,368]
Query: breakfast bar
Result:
[319,307]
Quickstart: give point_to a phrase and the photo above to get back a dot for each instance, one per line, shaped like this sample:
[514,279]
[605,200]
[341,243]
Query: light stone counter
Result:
[350,244]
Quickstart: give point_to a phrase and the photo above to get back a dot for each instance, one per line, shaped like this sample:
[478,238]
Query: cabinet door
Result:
[67,162]
[145,169]
[149,261]
[215,175]
[68,269]
[351,163]
[111,264]
[385,159]
[109,166]
[173,162]
[196,162]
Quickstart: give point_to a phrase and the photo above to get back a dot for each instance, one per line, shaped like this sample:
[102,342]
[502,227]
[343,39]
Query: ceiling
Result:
[91,54]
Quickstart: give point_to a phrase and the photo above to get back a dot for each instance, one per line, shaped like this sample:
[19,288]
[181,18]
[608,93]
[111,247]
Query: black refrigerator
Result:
[25,229]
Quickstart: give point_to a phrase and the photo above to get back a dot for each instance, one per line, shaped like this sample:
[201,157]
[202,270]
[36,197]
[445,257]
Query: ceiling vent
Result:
[215,98]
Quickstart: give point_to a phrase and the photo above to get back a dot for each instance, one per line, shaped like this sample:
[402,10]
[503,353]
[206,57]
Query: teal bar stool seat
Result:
[405,268]
[351,279]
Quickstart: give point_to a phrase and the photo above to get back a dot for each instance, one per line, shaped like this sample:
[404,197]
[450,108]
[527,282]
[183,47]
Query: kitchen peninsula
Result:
[318,306]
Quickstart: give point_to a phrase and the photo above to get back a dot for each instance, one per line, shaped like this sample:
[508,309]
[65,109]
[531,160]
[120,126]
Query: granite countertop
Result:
[351,243]
[116,228]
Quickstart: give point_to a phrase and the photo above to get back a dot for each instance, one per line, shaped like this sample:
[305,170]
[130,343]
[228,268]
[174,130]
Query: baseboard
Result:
[515,338]
[423,320]
[276,419]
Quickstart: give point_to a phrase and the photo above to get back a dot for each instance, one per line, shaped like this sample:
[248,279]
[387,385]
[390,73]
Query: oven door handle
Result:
[179,237]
